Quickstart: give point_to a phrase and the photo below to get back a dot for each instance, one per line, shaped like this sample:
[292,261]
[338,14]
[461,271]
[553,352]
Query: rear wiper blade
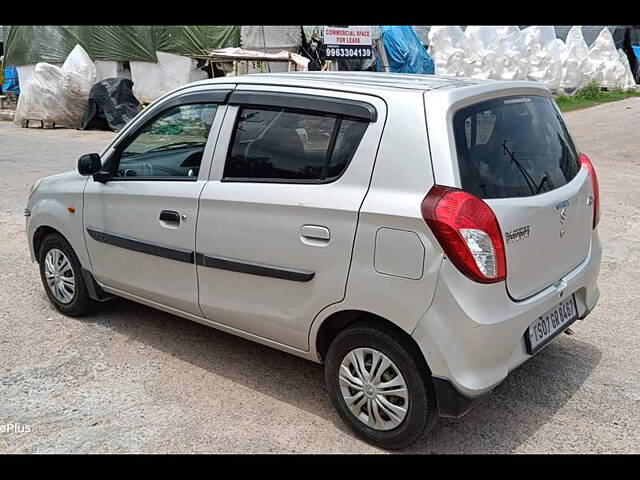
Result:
[171,146]
[527,178]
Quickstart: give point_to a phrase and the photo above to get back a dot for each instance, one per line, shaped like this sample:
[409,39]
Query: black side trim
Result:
[142,246]
[253,268]
[153,179]
[94,290]
[340,106]
[452,403]
[208,96]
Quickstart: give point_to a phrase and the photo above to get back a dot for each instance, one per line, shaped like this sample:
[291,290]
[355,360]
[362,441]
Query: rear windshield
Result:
[513,147]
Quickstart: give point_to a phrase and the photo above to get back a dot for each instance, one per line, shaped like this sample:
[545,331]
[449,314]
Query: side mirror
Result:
[89,164]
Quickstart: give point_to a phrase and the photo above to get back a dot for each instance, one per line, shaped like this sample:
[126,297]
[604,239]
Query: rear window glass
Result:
[513,147]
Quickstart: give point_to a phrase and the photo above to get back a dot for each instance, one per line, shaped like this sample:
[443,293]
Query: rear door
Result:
[516,153]
[278,217]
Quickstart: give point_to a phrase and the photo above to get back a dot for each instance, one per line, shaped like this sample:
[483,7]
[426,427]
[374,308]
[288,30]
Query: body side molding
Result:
[142,246]
[253,268]
[212,261]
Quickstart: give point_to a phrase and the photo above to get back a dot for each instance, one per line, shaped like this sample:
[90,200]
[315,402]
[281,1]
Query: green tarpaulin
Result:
[193,39]
[41,43]
[52,43]
[122,43]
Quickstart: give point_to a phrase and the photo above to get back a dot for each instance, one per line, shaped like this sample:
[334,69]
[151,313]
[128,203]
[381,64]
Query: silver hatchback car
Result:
[421,236]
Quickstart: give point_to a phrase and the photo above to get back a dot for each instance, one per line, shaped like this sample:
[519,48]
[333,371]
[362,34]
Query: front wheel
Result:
[380,385]
[62,278]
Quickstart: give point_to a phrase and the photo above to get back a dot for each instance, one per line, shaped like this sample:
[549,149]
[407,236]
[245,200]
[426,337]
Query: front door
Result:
[140,224]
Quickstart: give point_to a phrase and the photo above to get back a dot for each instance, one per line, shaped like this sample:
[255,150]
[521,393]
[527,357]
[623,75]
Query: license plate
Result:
[550,324]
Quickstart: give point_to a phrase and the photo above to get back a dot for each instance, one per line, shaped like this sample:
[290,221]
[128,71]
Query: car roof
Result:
[371,79]
[350,80]
[377,83]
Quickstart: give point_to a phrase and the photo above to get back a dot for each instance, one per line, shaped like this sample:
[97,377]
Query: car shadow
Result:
[507,418]
[527,399]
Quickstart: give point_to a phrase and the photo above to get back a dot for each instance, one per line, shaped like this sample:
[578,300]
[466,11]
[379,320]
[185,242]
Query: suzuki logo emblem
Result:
[562,206]
[563,216]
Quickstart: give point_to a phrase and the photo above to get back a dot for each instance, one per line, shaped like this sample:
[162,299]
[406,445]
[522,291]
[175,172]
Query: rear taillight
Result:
[586,163]
[468,232]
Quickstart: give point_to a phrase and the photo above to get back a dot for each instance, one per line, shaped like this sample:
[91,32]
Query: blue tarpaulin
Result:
[11,80]
[636,65]
[405,51]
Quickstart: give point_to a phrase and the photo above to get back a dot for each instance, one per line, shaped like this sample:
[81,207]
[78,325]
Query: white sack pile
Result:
[508,53]
[153,80]
[57,94]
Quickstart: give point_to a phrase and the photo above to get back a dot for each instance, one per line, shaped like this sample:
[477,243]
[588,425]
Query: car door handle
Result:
[315,235]
[170,217]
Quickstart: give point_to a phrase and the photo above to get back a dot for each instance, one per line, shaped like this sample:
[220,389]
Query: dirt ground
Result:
[132,379]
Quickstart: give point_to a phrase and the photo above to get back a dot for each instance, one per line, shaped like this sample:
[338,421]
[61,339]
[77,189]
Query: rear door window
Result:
[513,147]
[290,145]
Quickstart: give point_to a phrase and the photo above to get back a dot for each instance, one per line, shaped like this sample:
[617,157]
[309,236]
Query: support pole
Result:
[383,55]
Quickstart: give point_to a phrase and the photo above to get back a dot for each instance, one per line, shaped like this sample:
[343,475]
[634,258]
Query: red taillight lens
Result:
[586,163]
[468,232]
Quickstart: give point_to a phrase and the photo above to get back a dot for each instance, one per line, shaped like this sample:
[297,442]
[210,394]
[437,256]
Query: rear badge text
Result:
[517,234]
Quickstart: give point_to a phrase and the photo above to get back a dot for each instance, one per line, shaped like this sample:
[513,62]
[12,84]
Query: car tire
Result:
[405,357]
[75,304]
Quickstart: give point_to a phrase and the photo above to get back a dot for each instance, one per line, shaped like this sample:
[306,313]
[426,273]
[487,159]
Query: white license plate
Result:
[550,324]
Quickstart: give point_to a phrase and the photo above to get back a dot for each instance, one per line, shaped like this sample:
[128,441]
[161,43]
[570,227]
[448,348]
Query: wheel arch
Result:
[53,219]
[39,235]
[335,323]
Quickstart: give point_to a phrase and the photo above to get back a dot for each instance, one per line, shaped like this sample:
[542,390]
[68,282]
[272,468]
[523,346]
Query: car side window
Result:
[290,145]
[169,146]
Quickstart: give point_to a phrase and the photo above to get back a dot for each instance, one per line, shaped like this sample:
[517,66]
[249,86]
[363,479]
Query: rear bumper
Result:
[472,336]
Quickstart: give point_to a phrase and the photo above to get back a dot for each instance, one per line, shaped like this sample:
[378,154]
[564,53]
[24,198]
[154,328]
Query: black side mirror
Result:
[89,164]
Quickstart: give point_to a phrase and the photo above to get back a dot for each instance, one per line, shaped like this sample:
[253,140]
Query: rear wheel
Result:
[62,278]
[380,385]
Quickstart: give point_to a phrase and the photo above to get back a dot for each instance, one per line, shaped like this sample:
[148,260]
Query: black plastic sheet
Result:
[111,105]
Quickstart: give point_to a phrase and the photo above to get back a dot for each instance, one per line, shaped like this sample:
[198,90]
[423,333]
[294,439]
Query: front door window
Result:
[169,146]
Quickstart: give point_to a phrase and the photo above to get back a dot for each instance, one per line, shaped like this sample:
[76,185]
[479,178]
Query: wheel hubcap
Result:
[59,275]
[373,388]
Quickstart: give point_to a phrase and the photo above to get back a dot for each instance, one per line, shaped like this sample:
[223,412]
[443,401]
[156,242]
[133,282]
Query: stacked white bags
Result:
[153,80]
[515,66]
[447,47]
[55,94]
[577,68]
[609,68]
[508,53]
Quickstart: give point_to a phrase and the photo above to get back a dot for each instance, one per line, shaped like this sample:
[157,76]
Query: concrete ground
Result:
[132,379]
